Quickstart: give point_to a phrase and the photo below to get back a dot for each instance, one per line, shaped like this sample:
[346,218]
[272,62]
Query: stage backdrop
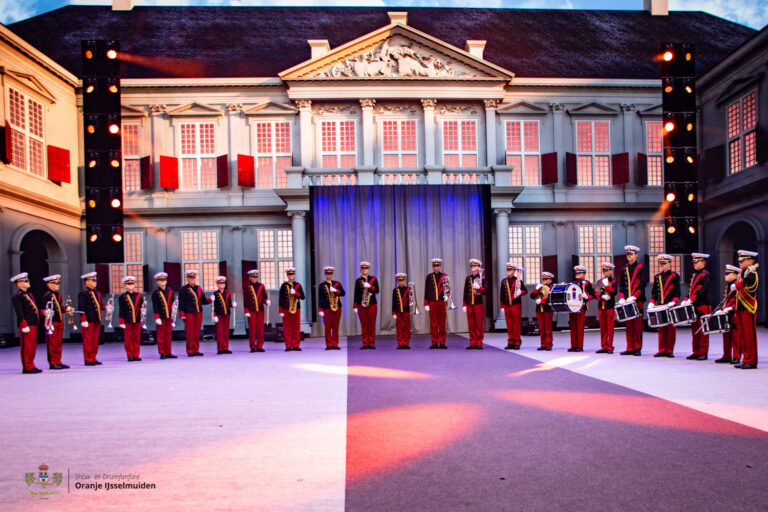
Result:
[398,229]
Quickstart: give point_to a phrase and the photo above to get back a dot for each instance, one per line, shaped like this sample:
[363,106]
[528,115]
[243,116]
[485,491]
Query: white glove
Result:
[585,296]
[728,309]
[476,286]
[84,324]
[269,302]
[355,310]
[538,287]
[538,301]
[751,268]
[247,315]
[25,330]
[671,304]
[651,306]
[234,304]
[321,314]
[159,321]
[366,284]
[606,282]
[622,301]
[606,296]
[632,299]
[464,308]
[426,308]
[122,326]
[282,315]
[293,292]
[733,287]
[215,319]
[394,316]
[334,290]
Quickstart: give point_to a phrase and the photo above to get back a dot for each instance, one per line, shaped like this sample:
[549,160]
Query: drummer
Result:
[698,296]
[665,294]
[731,346]
[576,320]
[632,289]
[544,309]
[605,305]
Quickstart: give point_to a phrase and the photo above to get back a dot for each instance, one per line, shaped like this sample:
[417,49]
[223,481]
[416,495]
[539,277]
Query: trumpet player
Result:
[129,318]
[435,304]
[90,306]
[745,289]
[291,295]
[329,307]
[606,313]
[698,296]
[191,301]
[162,300]
[632,289]
[401,311]
[576,320]
[255,298]
[544,311]
[366,289]
[53,340]
[665,292]
[474,288]
[27,320]
[511,292]
[222,310]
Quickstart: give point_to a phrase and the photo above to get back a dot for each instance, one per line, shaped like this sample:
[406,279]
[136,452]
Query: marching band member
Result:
[746,306]
[255,298]
[632,289]
[27,319]
[129,318]
[665,292]
[434,304]
[605,304]
[366,288]
[401,312]
[731,347]
[511,292]
[544,311]
[90,306]
[291,295]
[698,296]
[53,340]
[474,288]
[162,305]
[329,307]
[191,301]
[576,320]
[222,311]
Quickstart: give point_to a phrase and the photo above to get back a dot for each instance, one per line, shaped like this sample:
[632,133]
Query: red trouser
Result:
[331,320]
[368,323]
[193,322]
[747,335]
[475,322]
[545,328]
[634,330]
[53,341]
[700,340]
[222,332]
[437,322]
[403,328]
[607,319]
[164,336]
[256,328]
[513,316]
[28,345]
[576,325]
[292,329]
[132,339]
[91,341]
[731,347]
[667,336]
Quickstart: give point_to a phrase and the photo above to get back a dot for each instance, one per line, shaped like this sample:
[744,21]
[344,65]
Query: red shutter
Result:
[620,164]
[247,265]
[574,262]
[571,169]
[223,269]
[7,146]
[246,175]
[549,264]
[222,171]
[169,173]
[145,277]
[642,169]
[58,164]
[549,168]
[145,172]
[761,139]
[102,276]
[620,260]
[714,163]
[174,274]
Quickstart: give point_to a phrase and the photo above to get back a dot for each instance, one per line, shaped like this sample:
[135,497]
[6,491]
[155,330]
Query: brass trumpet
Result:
[412,298]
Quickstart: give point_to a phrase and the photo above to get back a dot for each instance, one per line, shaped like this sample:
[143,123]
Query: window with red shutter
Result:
[58,164]
[169,172]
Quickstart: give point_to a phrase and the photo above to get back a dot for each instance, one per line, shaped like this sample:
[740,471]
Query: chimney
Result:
[319,47]
[123,5]
[656,7]
[398,17]
[475,48]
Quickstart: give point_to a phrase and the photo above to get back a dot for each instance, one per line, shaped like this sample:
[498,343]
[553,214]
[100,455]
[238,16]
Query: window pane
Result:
[584,172]
[265,172]
[348,161]
[210,245]
[735,152]
[190,245]
[208,173]
[749,111]
[116,277]
[515,239]
[603,240]
[515,178]
[132,247]
[267,274]
[328,130]
[656,238]
[531,136]
[586,239]
[36,163]
[655,171]
[347,135]
[532,239]
[408,135]
[285,243]
[451,160]
[207,141]
[468,136]
[188,139]
[532,269]
[189,173]
[584,136]
[654,138]
[750,149]
[330,162]
[513,136]
[391,161]
[734,124]
[18,150]
[130,140]
[602,138]
[469,161]
[281,162]
[409,161]
[16,108]
[283,137]
[602,170]
[451,135]
[136,271]
[131,175]
[390,136]
[210,272]
[266,244]
[531,170]
[36,119]
[263,138]
[589,262]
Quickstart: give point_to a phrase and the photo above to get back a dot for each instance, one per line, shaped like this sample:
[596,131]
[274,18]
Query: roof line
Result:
[36,55]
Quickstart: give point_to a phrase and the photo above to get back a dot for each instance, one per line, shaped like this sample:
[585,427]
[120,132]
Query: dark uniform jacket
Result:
[285,295]
[587,288]
[401,300]
[632,281]
[544,307]
[507,292]
[89,303]
[58,307]
[130,307]
[222,302]
[699,291]
[192,298]
[470,298]
[324,294]
[746,291]
[433,288]
[162,302]
[374,289]
[255,297]
[666,288]
[27,312]
[610,289]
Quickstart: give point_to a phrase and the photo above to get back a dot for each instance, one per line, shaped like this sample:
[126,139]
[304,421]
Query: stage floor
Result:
[387,429]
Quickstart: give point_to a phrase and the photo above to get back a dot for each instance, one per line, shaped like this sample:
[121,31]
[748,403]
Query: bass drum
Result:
[566,298]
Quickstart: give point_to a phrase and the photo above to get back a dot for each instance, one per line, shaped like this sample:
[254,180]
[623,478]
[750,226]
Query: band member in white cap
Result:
[401,311]
[605,307]
[291,295]
[435,304]
[511,292]
[223,308]
[256,298]
[731,347]
[129,318]
[27,319]
[329,307]
[53,339]
[698,296]
[544,310]
[632,289]
[162,305]
[474,288]
[90,306]
[665,292]
[191,301]
[745,288]
[366,289]
[576,320]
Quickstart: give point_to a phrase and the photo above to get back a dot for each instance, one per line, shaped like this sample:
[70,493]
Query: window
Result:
[200,251]
[338,148]
[27,122]
[594,248]
[273,153]
[742,133]
[198,156]
[398,143]
[275,255]
[654,148]
[131,173]
[460,143]
[593,153]
[522,142]
[525,251]
[133,251]
[656,245]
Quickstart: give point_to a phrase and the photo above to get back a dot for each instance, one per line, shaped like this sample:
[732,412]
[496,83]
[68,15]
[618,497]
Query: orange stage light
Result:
[671,230]
[91,203]
[669,126]
[668,56]
[113,88]
[115,203]
[115,163]
[111,54]
[691,197]
[89,89]
[88,54]
[117,237]
[689,127]
[671,196]
[114,129]
[92,164]
[689,158]
[94,237]
[91,129]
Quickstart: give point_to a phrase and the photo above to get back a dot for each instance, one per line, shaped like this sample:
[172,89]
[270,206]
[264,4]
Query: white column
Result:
[558,109]
[490,131]
[628,112]
[156,141]
[367,107]
[429,131]
[235,138]
[305,132]
[299,228]
[502,255]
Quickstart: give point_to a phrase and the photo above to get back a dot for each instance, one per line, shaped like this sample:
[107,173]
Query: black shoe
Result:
[480,347]
[700,358]
[573,349]
[97,363]
[331,348]
[542,348]
[253,350]
[443,347]
[737,366]
[748,367]
[601,351]
[227,351]
[364,347]
[578,349]
[548,349]
[289,350]
[191,354]
[509,347]
[199,354]
[723,360]
[296,349]
[372,347]
[609,351]
[170,356]
[55,367]
[516,347]
[627,352]
[637,352]
[162,356]
[220,352]
[432,347]
[260,350]
[735,361]
[399,347]
[32,370]
[137,359]
[336,348]
[658,354]
[407,347]
[692,356]
[470,347]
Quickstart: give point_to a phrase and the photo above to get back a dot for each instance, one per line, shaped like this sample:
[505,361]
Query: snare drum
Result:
[659,317]
[626,311]
[715,323]
[565,298]
[683,315]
